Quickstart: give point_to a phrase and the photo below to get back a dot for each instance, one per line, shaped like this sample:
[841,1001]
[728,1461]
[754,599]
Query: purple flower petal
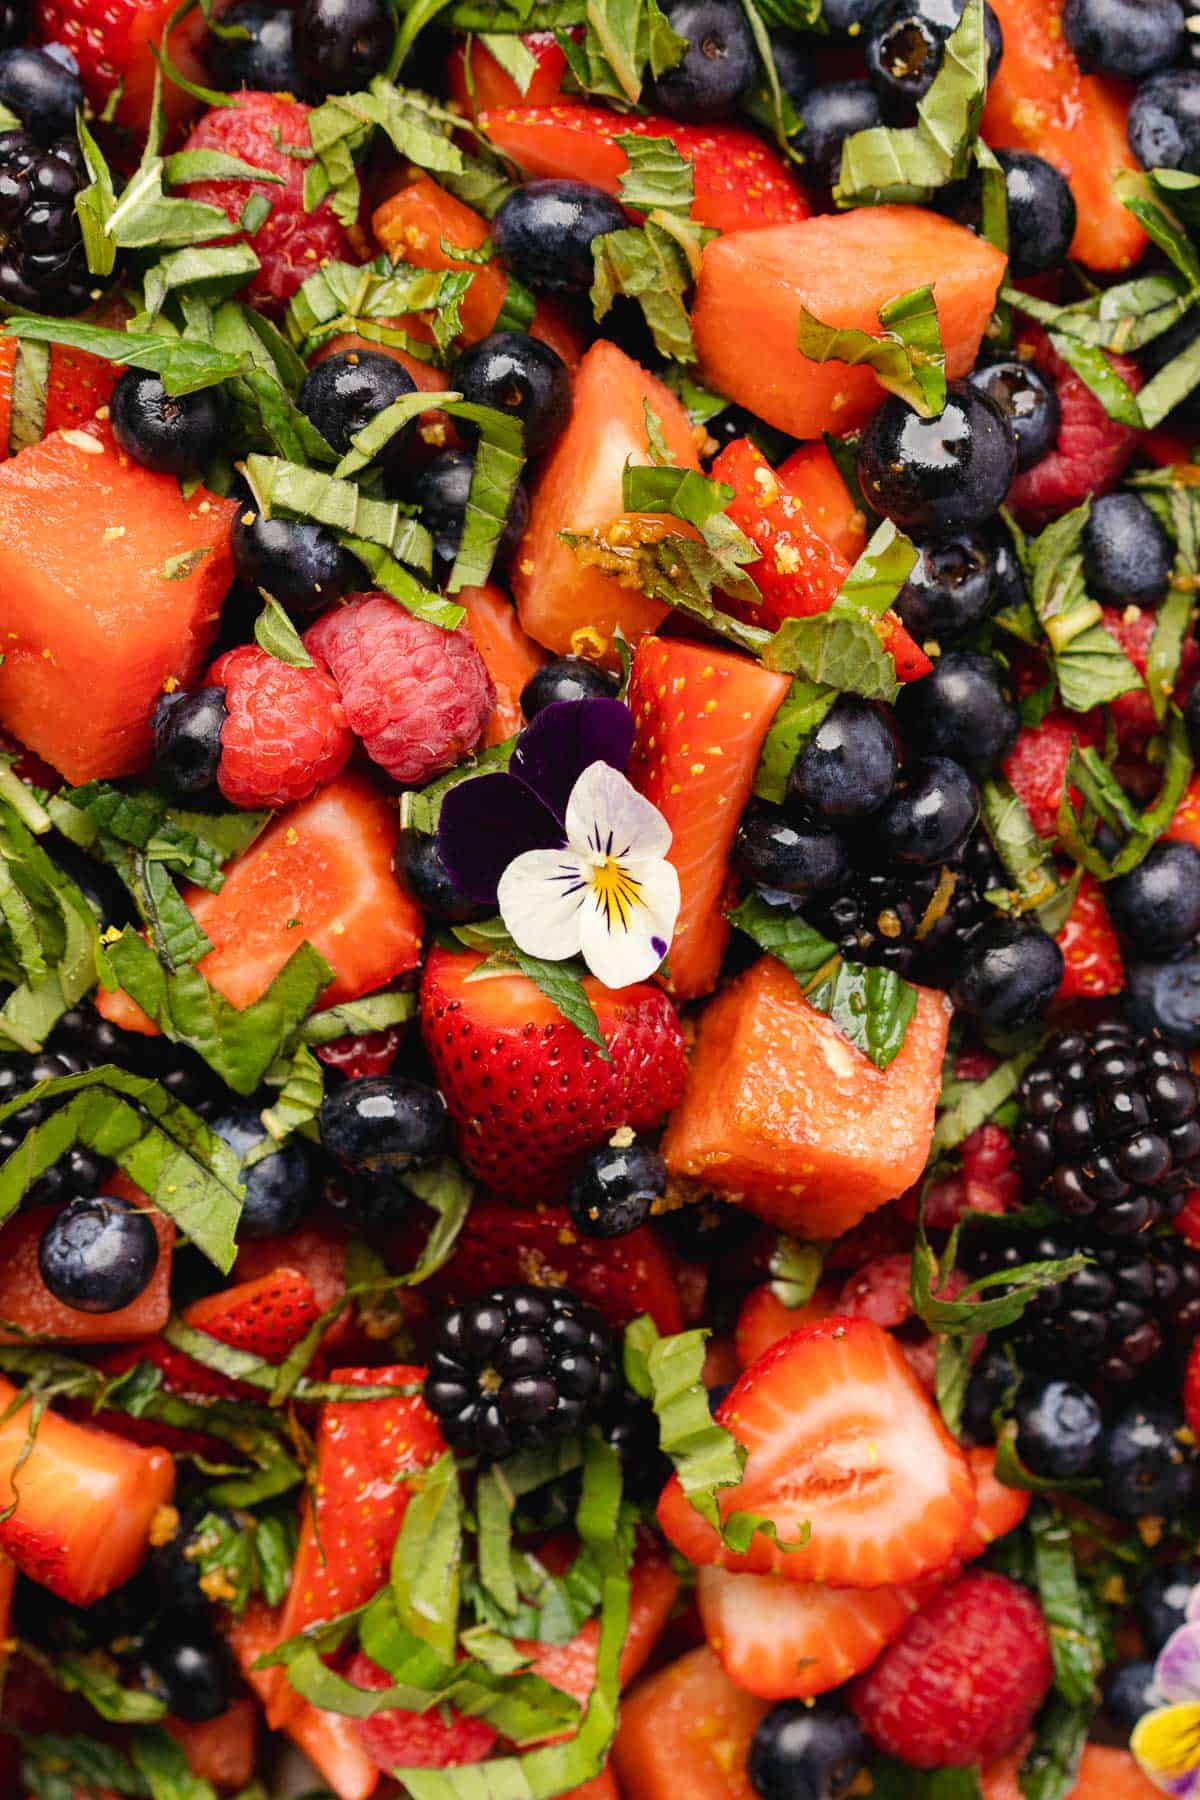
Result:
[484,823]
[1177,1671]
[564,739]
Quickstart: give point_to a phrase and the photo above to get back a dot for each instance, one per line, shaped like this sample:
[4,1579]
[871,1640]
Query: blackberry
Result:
[518,1368]
[912,919]
[1110,1128]
[42,265]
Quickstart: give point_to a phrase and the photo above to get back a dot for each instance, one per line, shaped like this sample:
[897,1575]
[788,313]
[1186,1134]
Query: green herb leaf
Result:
[972,1313]
[297,1105]
[1017,844]
[966,1105]
[658,178]
[560,982]
[650,266]
[50,928]
[1051,1764]
[803,707]
[184,367]
[375,1013]
[275,633]
[908,359]
[832,650]
[425,1561]
[1074,1641]
[623,41]
[95,205]
[683,493]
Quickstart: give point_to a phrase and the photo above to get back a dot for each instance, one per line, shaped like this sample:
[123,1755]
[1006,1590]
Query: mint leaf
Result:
[648,265]
[164,1767]
[908,360]
[426,1558]
[275,633]
[375,1013]
[499,460]
[1074,1640]
[803,707]
[885,564]
[972,1312]
[1089,665]
[303,493]
[297,1104]
[344,297]
[94,206]
[835,651]
[46,923]
[1051,1765]
[683,493]
[658,179]
[624,41]
[184,367]
[560,982]
[966,1105]
[1017,844]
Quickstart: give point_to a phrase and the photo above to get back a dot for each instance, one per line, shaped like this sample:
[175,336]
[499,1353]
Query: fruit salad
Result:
[599,899]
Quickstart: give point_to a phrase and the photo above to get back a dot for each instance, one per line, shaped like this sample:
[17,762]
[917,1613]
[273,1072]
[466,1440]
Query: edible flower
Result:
[1166,1741]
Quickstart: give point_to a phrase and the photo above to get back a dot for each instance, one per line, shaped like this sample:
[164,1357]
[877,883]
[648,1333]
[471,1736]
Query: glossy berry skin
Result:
[614,1191]
[718,66]
[1028,401]
[193,1670]
[806,1751]
[518,375]
[1126,38]
[847,769]
[938,476]
[905,46]
[847,16]
[832,113]
[1127,555]
[1008,975]
[171,434]
[419,865]
[98,1254]
[1128,1692]
[42,264]
[280,1187]
[383,1125]
[42,89]
[794,63]
[1160,1603]
[1060,1429]
[565,678]
[301,565]
[1164,121]
[341,44]
[1165,996]
[961,709]
[931,811]
[1147,1471]
[345,392]
[543,232]
[788,857]
[1157,905]
[950,588]
[441,491]
[1041,212]
[266,59]
[187,741]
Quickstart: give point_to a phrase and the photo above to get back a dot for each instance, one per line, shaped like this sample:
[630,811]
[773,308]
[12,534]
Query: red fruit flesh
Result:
[78,385]
[477,82]
[838,1435]
[687,1730]
[701,717]
[798,571]
[84,1502]
[114,47]
[438,1739]
[1092,962]
[764,1319]
[1185,826]
[365,1053]
[1103,1775]
[964,1679]
[94,619]
[1091,452]
[527,1092]
[27,1303]
[1037,766]
[843,268]
[1133,628]
[260,129]
[572,1666]
[8,363]
[222,1751]
[285,732]
[998,1509]
[811,474]
[266,1318]
[510,655]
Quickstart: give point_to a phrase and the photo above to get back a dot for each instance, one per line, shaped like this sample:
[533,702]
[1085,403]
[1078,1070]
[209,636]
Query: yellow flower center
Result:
[616,892]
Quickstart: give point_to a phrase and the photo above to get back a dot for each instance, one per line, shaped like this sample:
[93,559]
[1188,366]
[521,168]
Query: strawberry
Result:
[701,718]
[503,1244]
[266,1318]
[220,1751]
[526,1090]
[1091,953]
[838,1434]
[764,1319]
[1191,1388]
[113,45]
[963,1680]
[998,1509]
[77,386]
[1133,714]
[1092,449]
[882,1291]
[477,83]
[653,1588]
[1037,765]
[441,1738]
[1186,823]
[365,1053]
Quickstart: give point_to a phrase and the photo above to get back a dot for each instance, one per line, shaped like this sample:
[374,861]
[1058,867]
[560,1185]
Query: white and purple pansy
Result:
[1166,1741]
[565,846]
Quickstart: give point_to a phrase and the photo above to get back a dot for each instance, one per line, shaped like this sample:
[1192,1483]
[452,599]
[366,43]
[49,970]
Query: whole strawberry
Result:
[285,731]
[417,696]
[963,1680]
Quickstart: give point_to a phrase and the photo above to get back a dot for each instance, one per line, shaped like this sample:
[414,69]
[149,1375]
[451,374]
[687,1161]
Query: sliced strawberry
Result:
[78,385]
[998,1509]
[1092,449]
[701,717]
[798,571]
[477,82]
[764,1319]
[1037,766]
[267,1317]
[812,475]
[740,181]
[1133,714]
[1093,966]
[114,45]
[839,1436]
[365,1053]
[572,1666]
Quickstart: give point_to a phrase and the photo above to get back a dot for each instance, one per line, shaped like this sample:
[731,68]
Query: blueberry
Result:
[383,1124]
[1164,121]
[847,16]
[1165,996]
[789,857]
[905,44]
[174,434]
[544,231]
[1011,587]
[1128,1692]
[992,1380]
[1126,553]
[440,493]
[265,59]
[1148,1471]
[174,1566]
[1160,1603]
[1041,212]
[1028,400]
[1157,905]
[518,375]
[718,65]
[795,64]
[279,1187]
[938,476]
[301,565]
[847,769]
[1007,975]
[961,709]
[1060,1429]
[98,1254]
[565,678]
[806,1750]
[187,741]
[1127,38]
[614,1191]
[932,810]
[341,44]
[192,1669]
[418,864]
[342,394]
[43,89]
[950,589]
[832,113]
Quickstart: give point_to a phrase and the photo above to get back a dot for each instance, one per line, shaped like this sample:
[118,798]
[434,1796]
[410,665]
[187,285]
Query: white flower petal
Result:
[607,817]
[625,940]
[541,896]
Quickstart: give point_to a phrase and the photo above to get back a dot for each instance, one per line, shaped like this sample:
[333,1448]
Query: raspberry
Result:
[285,734]
[1037,765]
[291,244]
[438,1739]
[417,696]
[962,1682]
[1092,449]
